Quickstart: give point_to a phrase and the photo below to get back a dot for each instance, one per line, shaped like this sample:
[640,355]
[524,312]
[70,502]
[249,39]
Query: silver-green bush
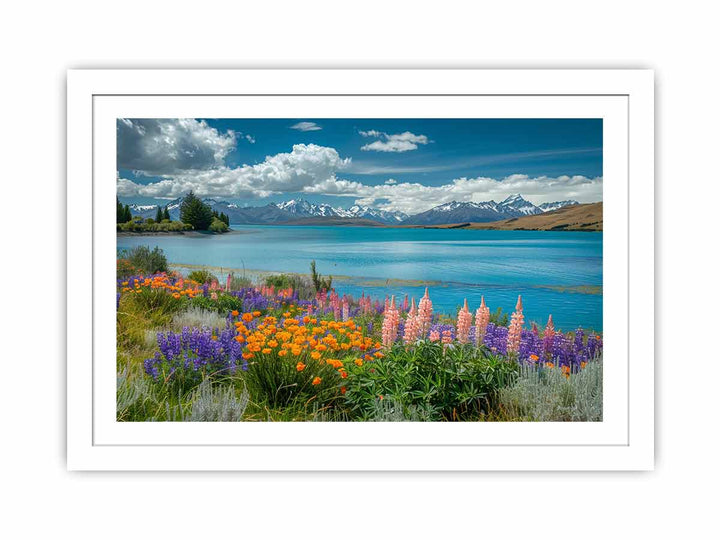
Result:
[545,395]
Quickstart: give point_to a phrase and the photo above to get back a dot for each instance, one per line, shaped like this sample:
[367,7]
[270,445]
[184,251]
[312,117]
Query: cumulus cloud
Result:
[412,197]
[306,166]
[154,146]
[398,142]
[306,126]
[314,169]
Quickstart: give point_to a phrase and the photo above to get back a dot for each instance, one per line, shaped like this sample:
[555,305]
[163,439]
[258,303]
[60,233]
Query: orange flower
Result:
[235,313]
[282,353]
[343,390]
[247,317]
[343,374]
[214,338]
[256,313]
[534,357]
[316,381]
[300,366]
[240,339]
[266,351]
[248,356]
[315,355]
[358,362]
[582,365]
[549,364]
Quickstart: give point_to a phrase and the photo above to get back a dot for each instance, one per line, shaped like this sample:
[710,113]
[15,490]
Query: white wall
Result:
[39,42]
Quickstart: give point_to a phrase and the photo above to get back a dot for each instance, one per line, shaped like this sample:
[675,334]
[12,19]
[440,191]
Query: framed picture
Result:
[360,270]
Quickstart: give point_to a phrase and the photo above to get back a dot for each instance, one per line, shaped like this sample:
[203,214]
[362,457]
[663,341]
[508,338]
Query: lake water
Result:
[555,272]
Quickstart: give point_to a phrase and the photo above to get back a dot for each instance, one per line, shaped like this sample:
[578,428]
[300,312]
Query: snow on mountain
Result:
[550,206]
[515,204]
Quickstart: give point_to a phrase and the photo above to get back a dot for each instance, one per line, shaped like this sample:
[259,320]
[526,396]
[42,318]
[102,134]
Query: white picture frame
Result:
[623,441]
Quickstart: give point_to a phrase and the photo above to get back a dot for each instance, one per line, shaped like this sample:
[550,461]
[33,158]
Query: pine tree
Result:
[195,212]
[128,215]
[224,217]
[158,215]
[166,213]
[120,212]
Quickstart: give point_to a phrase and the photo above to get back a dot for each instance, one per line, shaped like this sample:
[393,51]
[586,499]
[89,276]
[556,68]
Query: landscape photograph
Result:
[359,269]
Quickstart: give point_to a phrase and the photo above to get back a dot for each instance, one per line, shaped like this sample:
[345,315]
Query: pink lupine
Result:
[387,304]
[425,313]
[405,303]
[227,282]
[345,308]
[390,325]
[446,337]
[412,326]
[464,321]
[482,318]
[515,330]
[214,285]
[434,335]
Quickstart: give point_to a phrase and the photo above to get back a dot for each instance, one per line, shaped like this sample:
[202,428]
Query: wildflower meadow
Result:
[242,351]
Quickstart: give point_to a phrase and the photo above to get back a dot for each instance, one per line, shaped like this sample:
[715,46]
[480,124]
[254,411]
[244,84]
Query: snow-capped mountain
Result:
[482,212]
[515,204]
[292,210]
[550,206]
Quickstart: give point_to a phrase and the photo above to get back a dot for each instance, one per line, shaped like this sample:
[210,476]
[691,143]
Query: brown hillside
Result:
[581,217]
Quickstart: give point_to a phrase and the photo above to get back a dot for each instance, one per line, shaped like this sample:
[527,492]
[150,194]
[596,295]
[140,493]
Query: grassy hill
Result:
[581,217]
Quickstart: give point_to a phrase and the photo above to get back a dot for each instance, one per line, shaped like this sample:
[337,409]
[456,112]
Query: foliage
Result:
[123,213]
[145,260]
[320,283]
[224,303]
[301,285]
[151,226]
[545,394]
[445,383]
[498,318]
[195,212]
[218,226]
[239,282]
[126,269]
[222,217]
[202,276]
[199,317]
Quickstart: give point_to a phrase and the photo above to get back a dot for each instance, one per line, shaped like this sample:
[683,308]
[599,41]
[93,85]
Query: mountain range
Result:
[297,210]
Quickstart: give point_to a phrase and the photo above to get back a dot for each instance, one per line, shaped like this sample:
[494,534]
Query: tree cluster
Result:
[123,212]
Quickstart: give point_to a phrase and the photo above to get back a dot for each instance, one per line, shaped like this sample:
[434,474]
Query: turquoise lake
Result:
[555,272]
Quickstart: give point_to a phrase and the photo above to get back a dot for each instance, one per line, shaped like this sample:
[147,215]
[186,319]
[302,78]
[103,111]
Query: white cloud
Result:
[398,142]
[411,197]
[166,146]
[306,166]
[306,126]
[314,169]
[250,139]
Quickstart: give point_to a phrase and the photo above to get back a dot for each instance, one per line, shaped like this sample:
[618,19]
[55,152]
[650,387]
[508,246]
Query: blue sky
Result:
[402,164]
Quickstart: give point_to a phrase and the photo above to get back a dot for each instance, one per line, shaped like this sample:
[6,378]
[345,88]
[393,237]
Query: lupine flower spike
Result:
[464,321]
[482,318]
[515,330]
[425,313]
[412,326]
[390,325]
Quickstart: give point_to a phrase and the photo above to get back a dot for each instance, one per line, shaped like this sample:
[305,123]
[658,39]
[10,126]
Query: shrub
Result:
[217,403]
[224,304]
[140,311]
[202,276]
[302,285]
[498,318]
[279,383]
[126,269]
[218,226]
[547,395]
[238,283]
[452,383]
[199,317]
[320,283]
[145,260]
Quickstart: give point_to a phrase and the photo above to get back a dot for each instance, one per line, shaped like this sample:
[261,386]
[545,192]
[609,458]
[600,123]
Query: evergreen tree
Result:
[166,213]
[120,211]
[224,217]
[127,214]
[158,215]
[195,212]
